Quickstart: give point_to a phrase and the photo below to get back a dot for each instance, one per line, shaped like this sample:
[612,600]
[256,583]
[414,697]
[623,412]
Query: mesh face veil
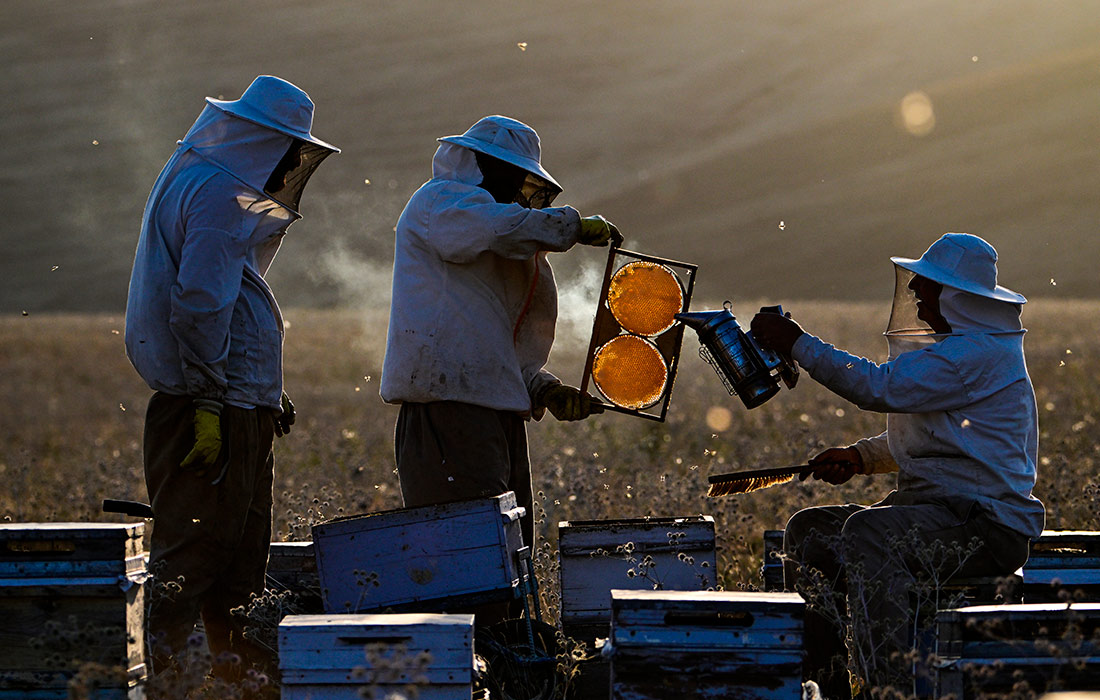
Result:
[905,331]
[288,179]
[537,192]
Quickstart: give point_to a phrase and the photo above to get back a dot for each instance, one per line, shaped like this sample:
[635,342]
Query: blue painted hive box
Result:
[631,554]
[71,595]
[428,559]
[708,644]
[335,657]
[991,650]
[1063,563]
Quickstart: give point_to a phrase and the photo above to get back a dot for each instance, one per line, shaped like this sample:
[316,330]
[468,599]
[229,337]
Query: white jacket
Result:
[962,421]
[466,270]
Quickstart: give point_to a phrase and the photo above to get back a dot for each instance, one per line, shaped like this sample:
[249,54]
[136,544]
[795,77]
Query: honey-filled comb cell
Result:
[630,372]
[644,297]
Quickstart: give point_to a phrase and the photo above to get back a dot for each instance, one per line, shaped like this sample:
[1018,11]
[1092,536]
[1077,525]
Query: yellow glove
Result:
[568,403]
[208,436]
[597,231]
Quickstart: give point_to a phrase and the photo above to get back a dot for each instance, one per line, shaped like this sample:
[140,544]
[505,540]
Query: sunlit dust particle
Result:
[95,142]
[1049,405]
[965,423]
[114,331]
[357,388]
[805,418]
[1053,283]
[974,59]
[719,418]
[839,413]
[25,312]
[782,225]
[572,497]
[55,268]
[522,45]
[1061,363]
[196,520]
[366,182]
[1045,461]
[1068,351]
[121,407]
[916,114]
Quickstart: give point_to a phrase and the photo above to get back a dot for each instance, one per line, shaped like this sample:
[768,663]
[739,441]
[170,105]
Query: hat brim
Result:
[244,111]
[938,274]
[529,164]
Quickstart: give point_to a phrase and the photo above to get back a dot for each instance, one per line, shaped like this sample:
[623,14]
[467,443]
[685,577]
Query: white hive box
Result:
[670,645]
[428,559]
[333,657]
[71,594]
[594,561]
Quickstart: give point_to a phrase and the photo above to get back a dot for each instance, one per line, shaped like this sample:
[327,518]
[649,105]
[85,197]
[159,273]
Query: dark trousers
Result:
[211,539]
[868,559]
[449,451]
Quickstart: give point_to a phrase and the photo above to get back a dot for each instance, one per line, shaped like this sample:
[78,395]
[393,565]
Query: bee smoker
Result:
[746,369]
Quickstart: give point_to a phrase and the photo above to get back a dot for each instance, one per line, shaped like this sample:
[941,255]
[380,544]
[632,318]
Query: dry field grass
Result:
[73,410]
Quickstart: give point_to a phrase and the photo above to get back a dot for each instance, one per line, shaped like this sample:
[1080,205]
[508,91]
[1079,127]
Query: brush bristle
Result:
[754,483]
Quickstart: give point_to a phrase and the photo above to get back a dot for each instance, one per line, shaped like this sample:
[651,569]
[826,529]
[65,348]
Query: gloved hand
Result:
[568,403]
[284,420]
[208,436]
[597,231]
[775,332]
[835,465]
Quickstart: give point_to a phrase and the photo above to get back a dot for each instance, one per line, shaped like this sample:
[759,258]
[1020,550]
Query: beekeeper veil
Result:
[263,139]
[971,300]
[508,140]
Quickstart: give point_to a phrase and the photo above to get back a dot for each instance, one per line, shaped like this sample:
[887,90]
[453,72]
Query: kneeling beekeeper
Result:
[472,317]
[961,433]
[204,331]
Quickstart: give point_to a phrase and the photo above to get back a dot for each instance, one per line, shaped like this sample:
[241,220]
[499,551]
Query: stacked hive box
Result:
[336,656]
[292,568]
[1063,563]
[991,649]
[630,554]
[71,598]
[670,645]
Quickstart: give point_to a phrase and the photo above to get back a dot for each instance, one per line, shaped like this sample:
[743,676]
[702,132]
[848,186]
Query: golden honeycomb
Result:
[644,297]
[630,372]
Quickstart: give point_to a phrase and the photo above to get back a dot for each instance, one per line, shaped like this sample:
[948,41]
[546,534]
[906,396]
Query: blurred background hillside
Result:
[787,147]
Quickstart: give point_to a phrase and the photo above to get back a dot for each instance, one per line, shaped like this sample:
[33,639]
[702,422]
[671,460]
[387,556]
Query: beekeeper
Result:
[472,319]
[204,331]
[961,433]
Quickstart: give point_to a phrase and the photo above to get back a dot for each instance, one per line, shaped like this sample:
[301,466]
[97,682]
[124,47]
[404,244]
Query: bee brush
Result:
[756,479]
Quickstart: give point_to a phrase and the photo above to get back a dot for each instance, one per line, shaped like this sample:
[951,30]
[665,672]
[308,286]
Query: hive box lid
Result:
[706,619]
[42,550]
[458,553]
[376,648]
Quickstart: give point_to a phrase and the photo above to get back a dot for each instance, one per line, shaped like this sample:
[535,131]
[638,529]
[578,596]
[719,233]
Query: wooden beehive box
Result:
[1063,563]
[71,594]
[334,656]
[292,567]
[708,644]
[990,648]
[428,559]
[600,555]
[771,571]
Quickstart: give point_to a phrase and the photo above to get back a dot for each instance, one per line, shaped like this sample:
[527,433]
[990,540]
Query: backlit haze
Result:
[787,148]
